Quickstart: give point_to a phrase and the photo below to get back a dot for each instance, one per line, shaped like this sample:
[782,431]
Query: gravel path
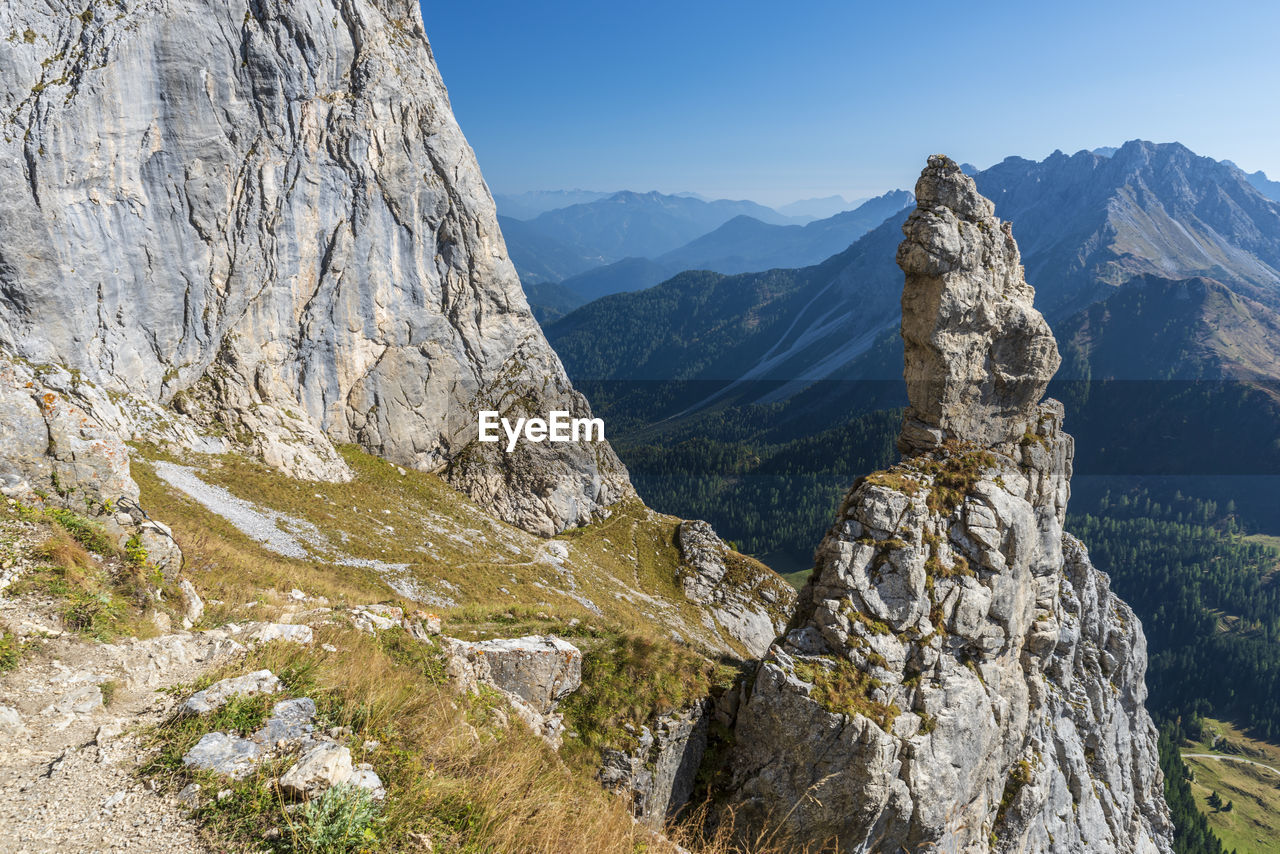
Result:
[1270,768]
[69,766]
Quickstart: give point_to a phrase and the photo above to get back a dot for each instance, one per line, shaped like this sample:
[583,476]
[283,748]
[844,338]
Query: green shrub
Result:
[344,819]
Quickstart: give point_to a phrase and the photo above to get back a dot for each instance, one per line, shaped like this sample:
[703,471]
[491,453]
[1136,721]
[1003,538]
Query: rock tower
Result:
[958,676]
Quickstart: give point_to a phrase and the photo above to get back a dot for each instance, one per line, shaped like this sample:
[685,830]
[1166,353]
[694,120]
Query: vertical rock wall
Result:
[265,214]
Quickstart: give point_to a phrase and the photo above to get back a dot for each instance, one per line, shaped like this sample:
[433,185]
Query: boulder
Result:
[540,670]
[217,694]
[326,764]
[223,754]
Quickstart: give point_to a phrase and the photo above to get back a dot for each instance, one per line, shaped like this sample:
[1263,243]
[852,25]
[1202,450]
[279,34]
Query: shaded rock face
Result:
[534,672]
[265,215]
[977,355]
[958,675]
[658,773]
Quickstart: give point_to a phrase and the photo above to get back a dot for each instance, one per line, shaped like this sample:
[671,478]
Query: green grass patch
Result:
[628,679]
[843,688]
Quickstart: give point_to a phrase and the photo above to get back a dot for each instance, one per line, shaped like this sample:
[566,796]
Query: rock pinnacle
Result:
[977,354]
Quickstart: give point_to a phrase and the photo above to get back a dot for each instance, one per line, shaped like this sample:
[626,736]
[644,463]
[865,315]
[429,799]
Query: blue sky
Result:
[776,102]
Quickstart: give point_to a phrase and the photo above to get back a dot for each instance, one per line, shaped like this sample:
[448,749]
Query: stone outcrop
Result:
[752,605]
[534,673]
[658,773]
[977,355]
[958,676]
[221,692]
[264,217]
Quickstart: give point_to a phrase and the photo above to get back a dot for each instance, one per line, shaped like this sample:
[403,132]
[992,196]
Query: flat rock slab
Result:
[256,634]
[223,754]
[289,724]
[217,694]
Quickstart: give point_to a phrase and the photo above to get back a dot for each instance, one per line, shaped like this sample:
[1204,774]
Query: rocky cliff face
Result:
[265,215]
[958,675]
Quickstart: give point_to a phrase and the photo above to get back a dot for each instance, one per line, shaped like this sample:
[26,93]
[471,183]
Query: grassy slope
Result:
[626,567]
[1253,824]
[453,769]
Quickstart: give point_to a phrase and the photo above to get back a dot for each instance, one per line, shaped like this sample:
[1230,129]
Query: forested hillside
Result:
[1208,596]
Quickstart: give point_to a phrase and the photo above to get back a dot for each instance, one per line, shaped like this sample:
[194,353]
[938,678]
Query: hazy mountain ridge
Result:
[628,223]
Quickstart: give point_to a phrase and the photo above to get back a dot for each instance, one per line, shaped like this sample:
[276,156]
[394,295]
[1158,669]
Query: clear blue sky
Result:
[778,101]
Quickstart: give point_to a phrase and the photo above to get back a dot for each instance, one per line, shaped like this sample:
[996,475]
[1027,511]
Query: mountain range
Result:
[1156,268]
[1087,224]
[742,243]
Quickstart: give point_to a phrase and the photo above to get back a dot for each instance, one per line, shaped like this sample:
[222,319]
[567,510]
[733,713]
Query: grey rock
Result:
[704,552]
[80,700]
[189,796]
[223,754]
[326,764]
[192,604]
[658,773]
[265,218]
[257,634]
[958,676]
[53,440]
[290,723]
[11,723]
[162,549]
[217,694]
[365,778]
[539,669]
[752,607]
[534,673]
[977,355]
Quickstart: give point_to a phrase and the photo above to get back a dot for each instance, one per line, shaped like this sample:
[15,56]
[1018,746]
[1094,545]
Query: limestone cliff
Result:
[264,215]
[958,676]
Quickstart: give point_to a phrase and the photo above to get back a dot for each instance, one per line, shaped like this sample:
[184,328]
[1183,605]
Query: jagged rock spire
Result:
[977,354]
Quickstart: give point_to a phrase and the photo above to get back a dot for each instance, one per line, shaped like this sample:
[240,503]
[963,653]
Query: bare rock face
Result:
[750,605]
[534,672]
[264,216]
[978,356]
[658,773]
[958,676]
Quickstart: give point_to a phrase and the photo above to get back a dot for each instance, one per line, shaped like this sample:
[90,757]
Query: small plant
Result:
[109,690]
[845,689]
[10,652]
[344,819]
[135,551]
[86,533]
